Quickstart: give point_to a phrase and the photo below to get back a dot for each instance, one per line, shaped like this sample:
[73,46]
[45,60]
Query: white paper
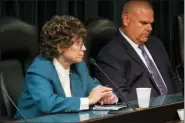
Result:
[108,107]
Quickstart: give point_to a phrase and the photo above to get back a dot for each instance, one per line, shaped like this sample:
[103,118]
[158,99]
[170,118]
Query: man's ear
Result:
[125,19]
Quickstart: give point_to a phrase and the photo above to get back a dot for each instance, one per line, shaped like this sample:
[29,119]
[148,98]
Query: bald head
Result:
[137,19]
[134,5]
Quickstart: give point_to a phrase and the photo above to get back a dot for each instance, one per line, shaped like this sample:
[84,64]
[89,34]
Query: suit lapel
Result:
[153,53]
[129,49]
[57,83]
[75,83]
[76,86]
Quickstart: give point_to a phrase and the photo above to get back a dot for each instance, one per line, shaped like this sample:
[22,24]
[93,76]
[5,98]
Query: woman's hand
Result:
[98,93]
[109,99]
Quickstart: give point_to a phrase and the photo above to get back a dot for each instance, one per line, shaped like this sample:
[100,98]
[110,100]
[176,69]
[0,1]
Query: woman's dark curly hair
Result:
[59,30]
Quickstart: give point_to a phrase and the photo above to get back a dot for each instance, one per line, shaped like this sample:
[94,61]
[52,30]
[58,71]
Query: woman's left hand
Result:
[109,99]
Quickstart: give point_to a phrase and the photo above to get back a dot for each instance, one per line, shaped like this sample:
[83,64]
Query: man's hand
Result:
[98,93]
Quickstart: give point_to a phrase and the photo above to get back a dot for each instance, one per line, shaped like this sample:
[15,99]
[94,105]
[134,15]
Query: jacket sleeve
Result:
[45,99]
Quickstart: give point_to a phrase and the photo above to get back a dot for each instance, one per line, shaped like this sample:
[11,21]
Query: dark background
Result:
[36,12]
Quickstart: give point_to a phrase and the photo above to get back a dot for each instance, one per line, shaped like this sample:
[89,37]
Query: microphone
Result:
[1,84]
[93,62]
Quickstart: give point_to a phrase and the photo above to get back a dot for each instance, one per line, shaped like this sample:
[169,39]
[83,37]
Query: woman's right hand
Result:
[97,93]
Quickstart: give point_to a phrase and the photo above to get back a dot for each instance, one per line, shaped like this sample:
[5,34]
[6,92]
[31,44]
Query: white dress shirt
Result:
[64,78]
[139,52]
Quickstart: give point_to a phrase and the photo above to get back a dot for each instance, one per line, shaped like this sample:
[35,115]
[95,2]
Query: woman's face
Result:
[74,53]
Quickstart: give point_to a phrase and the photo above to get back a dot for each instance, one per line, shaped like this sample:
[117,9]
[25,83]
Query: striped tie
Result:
[154,72]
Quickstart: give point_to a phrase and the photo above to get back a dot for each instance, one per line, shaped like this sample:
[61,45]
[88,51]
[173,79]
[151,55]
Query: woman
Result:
[57,80]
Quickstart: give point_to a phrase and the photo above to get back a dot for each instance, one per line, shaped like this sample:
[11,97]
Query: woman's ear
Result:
[60,49]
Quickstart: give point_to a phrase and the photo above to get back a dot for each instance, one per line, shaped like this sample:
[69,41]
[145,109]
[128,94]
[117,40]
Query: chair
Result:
[181,37]
[18,47]
[18,40]
[13,76]
[180,45]
[99,33]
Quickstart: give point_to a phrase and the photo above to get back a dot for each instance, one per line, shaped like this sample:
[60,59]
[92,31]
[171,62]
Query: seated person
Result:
[135,59]
[57,80]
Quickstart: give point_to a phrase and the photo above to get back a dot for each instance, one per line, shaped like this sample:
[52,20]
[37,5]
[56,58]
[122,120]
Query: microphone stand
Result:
[1,80]
[129,106]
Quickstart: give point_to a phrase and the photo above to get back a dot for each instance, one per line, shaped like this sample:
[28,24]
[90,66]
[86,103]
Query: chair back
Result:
[181,37]
[18,40]
[18,47]
[180,45]
[99,33]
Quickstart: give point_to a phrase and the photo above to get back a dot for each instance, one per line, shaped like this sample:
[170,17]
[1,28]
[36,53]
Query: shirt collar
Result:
[60,68]
[134,45]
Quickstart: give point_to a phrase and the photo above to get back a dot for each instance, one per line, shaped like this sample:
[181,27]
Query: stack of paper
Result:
[108,107]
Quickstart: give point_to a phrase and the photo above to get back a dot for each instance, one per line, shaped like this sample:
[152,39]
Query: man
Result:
[133,58]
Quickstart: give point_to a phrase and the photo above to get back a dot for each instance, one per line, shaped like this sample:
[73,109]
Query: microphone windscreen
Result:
[92,61]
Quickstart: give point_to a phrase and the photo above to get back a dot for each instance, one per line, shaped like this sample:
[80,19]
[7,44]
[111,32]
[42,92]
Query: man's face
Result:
[139,25]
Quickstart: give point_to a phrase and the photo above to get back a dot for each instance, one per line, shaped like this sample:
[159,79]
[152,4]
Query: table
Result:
[162,109]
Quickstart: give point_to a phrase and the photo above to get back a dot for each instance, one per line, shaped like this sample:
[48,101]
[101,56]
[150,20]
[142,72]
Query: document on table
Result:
[108,107]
